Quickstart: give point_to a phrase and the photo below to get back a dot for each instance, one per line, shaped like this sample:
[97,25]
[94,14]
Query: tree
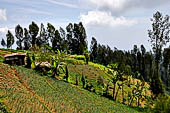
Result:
[83,80]
[64,41]
[76,38]
[80,38]
[10,39]
[19,35]
[143,50]
[28,61]
[3,43]
[69,36]
[33,30]
[159,37]
[58,41]
[166,64]
[51,35]
[86,54]
[43,38]
[27,38]
[93,49]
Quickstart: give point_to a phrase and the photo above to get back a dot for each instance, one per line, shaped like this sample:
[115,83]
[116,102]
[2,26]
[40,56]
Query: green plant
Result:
[162,104]
[83,80]
[28,61]
[66,68]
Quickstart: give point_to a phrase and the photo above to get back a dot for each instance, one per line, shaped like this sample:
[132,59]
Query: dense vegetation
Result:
[131,77]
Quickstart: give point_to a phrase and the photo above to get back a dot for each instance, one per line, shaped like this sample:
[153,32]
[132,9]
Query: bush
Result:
[162,104]
[1,59]
[28,61]
[78,57]
[74,61]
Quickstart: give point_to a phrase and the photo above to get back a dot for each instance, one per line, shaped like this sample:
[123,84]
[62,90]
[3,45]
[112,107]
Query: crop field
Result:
[24,90]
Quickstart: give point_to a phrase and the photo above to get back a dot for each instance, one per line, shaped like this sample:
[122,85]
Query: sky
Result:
[117,23]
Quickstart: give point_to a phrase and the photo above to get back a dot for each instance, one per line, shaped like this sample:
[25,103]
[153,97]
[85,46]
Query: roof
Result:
[43,64]
[15,54]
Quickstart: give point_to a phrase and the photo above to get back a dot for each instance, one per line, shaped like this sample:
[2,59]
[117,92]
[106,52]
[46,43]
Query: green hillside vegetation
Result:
[61,74]
[24,90]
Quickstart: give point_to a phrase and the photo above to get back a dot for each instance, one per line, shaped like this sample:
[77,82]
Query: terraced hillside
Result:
[24,90]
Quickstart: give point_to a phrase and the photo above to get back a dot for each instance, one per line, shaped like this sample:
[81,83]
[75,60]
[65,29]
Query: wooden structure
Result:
[15,58]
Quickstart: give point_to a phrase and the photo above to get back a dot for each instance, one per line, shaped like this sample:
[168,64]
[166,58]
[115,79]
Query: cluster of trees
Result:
[144,65]
[73,40]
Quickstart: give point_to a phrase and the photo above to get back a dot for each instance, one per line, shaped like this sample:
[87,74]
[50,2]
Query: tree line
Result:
[73,40]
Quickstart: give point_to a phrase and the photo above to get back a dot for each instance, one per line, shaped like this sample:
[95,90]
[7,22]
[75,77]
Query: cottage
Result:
[15,58]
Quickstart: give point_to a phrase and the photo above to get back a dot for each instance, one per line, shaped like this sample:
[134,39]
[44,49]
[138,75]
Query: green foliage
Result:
[93,50]
[57,63]
[159,37]
[28,61]
[3,108]
[61,94]
[83,80]
[10,39]
[19,32]
[66,68]
[76,38]
[33,30]
[100,81]
[157,86]
[27,40]
[162,104]
[86,54]
[78,57]
[3,43]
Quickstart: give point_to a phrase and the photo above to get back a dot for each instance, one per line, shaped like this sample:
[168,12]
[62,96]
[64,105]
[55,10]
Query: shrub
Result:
[66,68]
[100,81]
[1,59]
[28,61]
[162,104]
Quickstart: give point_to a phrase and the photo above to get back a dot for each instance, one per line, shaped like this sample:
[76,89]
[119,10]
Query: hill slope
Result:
[26,91]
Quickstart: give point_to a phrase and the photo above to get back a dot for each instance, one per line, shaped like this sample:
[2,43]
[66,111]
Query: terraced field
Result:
[24,90]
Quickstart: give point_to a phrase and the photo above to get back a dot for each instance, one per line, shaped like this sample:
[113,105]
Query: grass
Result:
[27,91]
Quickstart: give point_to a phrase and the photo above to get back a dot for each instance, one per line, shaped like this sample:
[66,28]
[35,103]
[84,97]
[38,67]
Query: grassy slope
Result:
[27,91]
[93,71]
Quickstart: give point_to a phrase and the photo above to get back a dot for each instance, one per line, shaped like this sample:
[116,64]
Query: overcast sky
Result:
[117,23]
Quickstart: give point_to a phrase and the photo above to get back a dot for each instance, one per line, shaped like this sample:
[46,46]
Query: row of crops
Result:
[59,96]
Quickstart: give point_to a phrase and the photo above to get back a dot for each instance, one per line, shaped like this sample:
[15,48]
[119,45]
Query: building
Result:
[15,58]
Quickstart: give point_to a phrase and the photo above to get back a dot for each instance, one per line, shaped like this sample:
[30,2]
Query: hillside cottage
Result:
[15,58]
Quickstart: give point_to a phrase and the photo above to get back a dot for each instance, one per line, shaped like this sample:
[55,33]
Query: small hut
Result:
[15,58]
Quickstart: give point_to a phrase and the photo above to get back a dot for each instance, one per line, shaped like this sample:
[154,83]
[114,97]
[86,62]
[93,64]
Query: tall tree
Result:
[64,46]
[159,37]
[69,36]
[93,49]
[43,38]
[143,51]
[27,39]
[51,34]
[3,43]
[10,39]
[33,30]
[80,38]
[57,41]
[19,35]
[166,64]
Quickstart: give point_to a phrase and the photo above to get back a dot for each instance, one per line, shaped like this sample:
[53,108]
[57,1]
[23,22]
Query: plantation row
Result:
[30,92]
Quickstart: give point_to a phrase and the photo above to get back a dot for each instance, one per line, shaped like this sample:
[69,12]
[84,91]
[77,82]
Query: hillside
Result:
[25,90]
